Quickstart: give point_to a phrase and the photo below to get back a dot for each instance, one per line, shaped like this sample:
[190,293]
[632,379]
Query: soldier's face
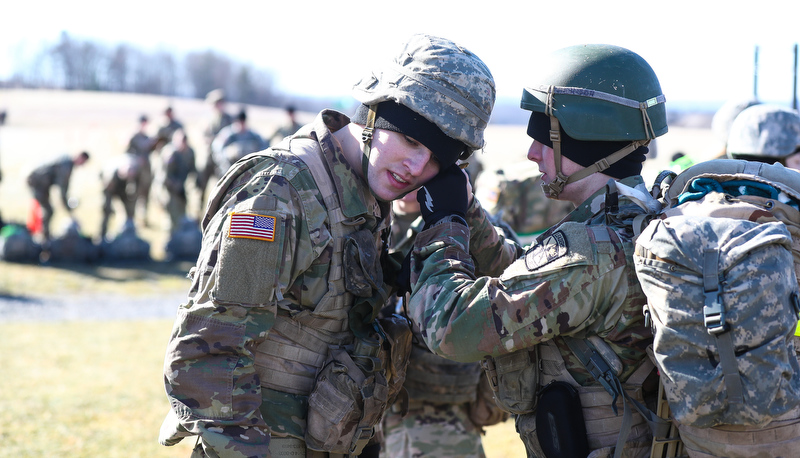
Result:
[542,155]
[398,164]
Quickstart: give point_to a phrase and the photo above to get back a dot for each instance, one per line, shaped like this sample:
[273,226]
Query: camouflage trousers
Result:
[439,430]
[779,439]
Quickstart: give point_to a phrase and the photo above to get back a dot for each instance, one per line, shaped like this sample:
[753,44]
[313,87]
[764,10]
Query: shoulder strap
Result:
[340,226]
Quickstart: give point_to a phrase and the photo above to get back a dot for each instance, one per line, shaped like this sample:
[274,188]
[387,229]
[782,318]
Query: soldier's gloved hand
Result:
[404,277]
[445,195]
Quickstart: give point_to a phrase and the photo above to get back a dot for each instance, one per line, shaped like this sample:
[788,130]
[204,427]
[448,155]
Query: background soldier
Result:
[177,164]
[140,146]
[120,180]
[162,138]
[219,120]
[474,295]
[235,142]
[54,173]
[515,196]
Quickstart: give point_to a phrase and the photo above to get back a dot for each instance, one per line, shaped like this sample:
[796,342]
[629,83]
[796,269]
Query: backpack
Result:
[17,244]
[719,268]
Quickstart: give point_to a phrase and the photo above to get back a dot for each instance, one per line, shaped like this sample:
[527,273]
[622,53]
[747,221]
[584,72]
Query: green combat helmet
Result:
[766,133]
[597,92]
[438,79]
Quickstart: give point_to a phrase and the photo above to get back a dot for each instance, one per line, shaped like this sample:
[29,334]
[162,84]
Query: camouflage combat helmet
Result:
[764,132]
[597,92]
[438,79]
[723,118]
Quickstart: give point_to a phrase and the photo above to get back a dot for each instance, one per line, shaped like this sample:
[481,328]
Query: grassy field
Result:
[94,388]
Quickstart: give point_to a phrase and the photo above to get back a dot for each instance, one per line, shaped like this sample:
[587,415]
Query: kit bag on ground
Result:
[72,246]
[126,246]
[17,244]
[718,267]
[185,242]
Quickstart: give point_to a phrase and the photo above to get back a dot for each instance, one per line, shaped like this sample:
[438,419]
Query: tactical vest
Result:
[304,338]
[305,351]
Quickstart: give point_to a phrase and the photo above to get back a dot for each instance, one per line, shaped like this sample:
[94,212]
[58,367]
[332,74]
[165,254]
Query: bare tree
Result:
[207,71]
[118,68]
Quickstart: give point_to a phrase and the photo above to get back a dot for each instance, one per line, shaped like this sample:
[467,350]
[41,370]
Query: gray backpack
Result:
[718,267]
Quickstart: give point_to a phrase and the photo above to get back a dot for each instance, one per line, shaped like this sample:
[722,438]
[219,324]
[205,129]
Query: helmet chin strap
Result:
[554,188]
[366,141]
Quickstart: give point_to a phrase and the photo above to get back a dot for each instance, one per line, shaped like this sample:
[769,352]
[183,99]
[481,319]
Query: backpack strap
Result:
[602,371]
[714,317]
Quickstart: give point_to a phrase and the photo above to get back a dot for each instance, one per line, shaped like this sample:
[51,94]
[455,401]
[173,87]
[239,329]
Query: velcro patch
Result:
[252,226]
[548,250]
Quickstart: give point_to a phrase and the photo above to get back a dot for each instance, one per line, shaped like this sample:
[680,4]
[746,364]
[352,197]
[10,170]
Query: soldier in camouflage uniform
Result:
[235,142]
[441,392]
[290,274]
[120,179]
[162,138]
[55,173]
[514,194]
[219,121]
[594,109]
[177,164]
[141,146]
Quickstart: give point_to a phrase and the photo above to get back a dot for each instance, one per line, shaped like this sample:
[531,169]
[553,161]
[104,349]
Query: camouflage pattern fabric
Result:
[450,87]
[41,179]
[431,429]
[240,284]
[577,279]
[515,195]
[753,390]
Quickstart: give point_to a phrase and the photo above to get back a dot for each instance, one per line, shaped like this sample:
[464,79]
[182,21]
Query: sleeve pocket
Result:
[202,356]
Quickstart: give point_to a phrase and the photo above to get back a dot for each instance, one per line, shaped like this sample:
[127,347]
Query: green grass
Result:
[83,389]
[131,279]
[94,389]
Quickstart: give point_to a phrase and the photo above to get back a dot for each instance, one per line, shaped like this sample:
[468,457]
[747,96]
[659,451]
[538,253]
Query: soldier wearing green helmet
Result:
[278,350]
[559,324]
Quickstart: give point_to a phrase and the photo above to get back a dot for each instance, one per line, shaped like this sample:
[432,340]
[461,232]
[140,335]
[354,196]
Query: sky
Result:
[703,51]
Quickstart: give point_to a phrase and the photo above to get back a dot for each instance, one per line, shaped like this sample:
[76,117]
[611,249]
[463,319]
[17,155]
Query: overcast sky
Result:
[702,50]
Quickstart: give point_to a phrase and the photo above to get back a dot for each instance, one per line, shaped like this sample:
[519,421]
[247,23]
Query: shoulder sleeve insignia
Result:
[252,226]
[548,250]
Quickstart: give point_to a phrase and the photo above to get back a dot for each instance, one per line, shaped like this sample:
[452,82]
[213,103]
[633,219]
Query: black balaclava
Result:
[587,153]
[399,118]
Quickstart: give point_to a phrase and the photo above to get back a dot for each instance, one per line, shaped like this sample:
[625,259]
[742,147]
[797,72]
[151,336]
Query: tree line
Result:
[77,64]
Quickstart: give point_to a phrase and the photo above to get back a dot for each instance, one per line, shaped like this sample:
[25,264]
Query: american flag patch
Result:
[250,226]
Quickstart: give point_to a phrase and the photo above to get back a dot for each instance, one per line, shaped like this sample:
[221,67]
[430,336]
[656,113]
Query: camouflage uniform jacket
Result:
[140,145]
[164,134]
[577,279]
[242,287]
[178,165]
[57,172]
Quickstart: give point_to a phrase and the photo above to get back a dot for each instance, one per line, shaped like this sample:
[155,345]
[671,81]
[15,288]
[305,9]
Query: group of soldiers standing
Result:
[161,167]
